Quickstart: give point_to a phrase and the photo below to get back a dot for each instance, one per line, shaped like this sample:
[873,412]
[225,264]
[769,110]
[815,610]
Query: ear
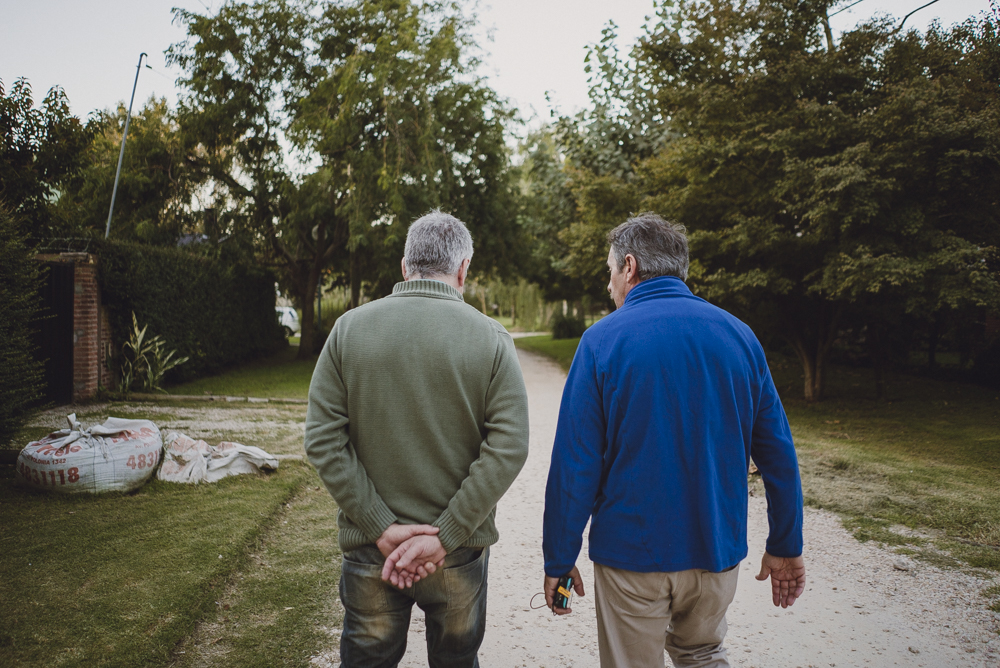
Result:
[402,265]
[631,269]
[463,273]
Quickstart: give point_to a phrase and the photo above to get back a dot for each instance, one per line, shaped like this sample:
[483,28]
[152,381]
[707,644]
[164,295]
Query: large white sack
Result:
[117,456]
[189,461]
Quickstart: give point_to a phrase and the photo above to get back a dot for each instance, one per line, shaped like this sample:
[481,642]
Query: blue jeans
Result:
[377,615]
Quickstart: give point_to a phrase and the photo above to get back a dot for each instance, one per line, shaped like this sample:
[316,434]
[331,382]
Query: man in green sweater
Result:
[417,424]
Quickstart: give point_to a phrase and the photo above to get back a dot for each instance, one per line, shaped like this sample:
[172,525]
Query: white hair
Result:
[436,245]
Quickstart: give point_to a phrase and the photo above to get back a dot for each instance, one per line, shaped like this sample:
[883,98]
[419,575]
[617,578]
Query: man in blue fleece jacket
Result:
[665,403]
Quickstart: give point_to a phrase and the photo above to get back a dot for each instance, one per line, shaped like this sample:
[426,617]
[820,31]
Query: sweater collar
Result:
[653,288]
[426,287]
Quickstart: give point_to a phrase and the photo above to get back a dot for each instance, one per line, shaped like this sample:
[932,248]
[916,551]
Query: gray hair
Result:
[659,246]
[436,245]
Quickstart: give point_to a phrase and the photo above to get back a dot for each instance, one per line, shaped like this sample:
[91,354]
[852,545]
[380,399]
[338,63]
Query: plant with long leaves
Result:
[145,359]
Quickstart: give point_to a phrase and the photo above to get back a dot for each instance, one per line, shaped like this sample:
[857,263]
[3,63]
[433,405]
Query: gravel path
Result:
[858,610]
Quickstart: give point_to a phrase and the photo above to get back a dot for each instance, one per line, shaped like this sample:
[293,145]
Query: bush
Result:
[21,377]
[567,327]
[213,313]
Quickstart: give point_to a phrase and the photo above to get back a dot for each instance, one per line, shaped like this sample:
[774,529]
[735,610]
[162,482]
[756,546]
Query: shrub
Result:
[21,377]
[567,327]
[216,314]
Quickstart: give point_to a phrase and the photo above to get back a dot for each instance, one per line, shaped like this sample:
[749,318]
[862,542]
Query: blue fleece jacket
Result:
[666,401]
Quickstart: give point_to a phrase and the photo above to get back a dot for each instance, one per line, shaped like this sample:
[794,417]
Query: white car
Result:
[288,318]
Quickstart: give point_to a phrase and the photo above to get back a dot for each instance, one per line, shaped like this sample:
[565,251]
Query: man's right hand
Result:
[788,578]
[397,534]
[550,585]
[416,558]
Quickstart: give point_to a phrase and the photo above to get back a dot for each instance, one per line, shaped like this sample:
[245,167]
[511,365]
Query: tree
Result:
[243,67]
[403,124]
[579,173]
[39,149]
[821,183]
[155,188]
[387,97]
[826,187]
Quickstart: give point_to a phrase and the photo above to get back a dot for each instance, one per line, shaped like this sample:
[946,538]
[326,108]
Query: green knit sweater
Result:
[417,415]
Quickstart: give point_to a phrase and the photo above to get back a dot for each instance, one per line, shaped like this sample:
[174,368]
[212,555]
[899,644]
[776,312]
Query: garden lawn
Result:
[121,580]
[926,460]
[561,350]
[280,375]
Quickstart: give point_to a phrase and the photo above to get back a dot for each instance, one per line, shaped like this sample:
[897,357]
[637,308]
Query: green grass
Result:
[561,350]
[278,376]
[281,608]
[119,580]
[928,459]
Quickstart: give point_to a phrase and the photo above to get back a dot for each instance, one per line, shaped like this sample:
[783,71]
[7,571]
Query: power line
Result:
[912,13]
[844,9]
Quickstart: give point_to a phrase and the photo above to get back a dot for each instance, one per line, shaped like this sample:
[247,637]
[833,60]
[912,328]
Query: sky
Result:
[91,47]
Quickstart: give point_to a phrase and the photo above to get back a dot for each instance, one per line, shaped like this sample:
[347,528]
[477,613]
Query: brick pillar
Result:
[86,327]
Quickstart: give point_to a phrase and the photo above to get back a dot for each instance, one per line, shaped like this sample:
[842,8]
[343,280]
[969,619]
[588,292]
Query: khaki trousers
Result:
[641,614]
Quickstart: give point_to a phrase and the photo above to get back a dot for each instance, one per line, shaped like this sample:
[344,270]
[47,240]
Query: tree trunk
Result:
[307,331]
[876,353]
[932,345]
[355,280]
[813,350]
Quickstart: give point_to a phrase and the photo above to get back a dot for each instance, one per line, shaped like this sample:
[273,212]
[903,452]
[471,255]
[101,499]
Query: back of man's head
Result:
[659,246]
[436,245]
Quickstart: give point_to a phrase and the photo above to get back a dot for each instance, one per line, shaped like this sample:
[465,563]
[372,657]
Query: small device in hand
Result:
[564,593]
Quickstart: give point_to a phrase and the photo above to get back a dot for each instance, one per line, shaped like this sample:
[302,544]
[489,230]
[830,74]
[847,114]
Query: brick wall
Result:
[87,358]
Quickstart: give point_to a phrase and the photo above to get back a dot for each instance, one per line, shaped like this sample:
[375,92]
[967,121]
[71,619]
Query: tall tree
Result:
[39,149]
[155,187]
[826,187]
[404,124]
[820,182]
[385,93]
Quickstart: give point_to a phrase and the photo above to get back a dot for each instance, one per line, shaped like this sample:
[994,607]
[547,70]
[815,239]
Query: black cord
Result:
[844,9]
[537,607]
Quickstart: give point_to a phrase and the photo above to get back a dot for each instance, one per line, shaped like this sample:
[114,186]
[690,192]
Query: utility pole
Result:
[121,154]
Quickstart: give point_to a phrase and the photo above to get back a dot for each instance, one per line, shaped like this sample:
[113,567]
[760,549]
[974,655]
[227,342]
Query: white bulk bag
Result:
[189,461]
[117,456]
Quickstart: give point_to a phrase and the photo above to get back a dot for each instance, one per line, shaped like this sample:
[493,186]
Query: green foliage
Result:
[385,93]
[216,314]
[145,359]
[519,300]
[560,350]
[39,150]
[826,186]
[21,377]
[830,191]
[155,188]
[566,326]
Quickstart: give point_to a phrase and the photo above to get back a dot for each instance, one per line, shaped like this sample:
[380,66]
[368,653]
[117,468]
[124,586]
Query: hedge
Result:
[22,379]
[215,314]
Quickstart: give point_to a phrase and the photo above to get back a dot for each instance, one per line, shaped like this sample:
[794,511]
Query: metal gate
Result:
[55,333]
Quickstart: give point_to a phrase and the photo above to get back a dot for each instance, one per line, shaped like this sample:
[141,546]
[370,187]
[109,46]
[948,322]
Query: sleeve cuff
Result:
[451,534]
[378,518]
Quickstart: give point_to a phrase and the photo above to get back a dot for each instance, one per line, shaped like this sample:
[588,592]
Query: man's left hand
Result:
[788,578]
[417,557]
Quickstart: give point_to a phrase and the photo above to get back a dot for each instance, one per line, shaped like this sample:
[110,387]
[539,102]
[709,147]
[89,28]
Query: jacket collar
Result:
[654,288]
[426,287]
